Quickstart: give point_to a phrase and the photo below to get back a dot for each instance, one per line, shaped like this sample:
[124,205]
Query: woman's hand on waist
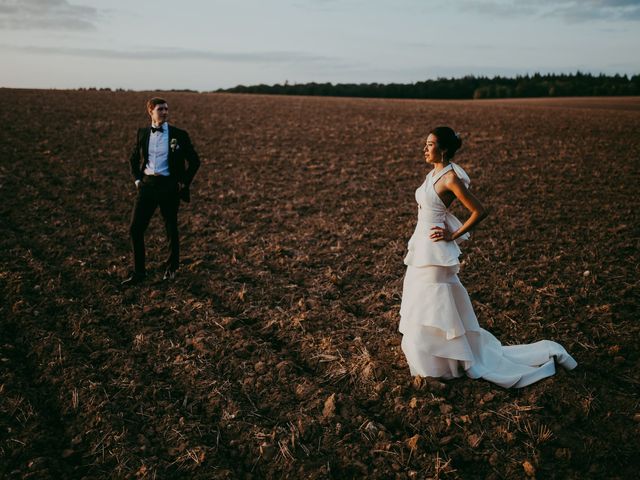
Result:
[439,234]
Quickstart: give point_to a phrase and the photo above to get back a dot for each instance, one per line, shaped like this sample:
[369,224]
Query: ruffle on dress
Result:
[423,251]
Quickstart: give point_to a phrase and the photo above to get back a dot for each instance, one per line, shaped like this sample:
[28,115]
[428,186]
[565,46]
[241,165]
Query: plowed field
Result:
[275,352]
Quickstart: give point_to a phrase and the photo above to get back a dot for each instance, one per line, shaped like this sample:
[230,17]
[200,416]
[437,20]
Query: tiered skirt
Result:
[442,337]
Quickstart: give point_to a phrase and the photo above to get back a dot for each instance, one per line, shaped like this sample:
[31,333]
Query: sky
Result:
[209,44]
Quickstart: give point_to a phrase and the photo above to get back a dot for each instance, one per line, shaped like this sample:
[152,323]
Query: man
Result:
[161,179]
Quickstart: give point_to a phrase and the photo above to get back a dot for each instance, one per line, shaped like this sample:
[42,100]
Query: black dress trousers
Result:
[155,191]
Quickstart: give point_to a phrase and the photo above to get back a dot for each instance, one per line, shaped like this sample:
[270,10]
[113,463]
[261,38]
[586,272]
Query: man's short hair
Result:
[152,102]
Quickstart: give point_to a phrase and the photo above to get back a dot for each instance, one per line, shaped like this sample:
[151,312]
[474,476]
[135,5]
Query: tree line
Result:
[468,87]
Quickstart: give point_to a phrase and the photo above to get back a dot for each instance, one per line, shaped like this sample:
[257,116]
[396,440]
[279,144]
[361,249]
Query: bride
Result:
[441,335]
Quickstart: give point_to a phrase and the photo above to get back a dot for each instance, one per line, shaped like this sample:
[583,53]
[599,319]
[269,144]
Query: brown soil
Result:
[275,353]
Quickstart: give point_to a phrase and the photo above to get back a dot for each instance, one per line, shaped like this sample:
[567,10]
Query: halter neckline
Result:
[436,177]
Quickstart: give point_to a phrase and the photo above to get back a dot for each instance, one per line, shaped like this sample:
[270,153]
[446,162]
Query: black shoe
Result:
[134,279]
[169,274]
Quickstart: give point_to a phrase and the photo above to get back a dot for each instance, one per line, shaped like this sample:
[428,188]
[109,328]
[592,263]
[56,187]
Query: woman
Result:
[441,335]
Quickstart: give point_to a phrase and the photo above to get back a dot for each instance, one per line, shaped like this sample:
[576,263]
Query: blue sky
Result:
[204,45]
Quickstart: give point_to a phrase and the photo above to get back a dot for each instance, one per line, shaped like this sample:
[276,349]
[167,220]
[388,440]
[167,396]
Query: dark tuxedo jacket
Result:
[181,151]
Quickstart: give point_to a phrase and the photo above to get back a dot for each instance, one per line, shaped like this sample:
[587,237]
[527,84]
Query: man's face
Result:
[159,114]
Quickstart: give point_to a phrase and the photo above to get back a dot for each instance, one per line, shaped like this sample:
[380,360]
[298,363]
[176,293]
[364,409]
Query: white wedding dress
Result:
[441,334]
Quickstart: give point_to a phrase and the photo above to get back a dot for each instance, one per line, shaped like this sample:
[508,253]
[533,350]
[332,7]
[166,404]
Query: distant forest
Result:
[550,85]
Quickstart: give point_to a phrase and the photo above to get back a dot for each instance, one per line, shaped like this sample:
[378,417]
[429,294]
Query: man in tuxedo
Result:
[162,179]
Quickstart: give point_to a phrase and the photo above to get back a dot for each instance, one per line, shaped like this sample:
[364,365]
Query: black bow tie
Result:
[158,129]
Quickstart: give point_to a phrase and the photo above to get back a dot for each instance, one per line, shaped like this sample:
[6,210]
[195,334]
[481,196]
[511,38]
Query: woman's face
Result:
[432,154]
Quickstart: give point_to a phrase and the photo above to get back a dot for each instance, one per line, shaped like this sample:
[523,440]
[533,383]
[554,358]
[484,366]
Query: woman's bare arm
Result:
[471,203]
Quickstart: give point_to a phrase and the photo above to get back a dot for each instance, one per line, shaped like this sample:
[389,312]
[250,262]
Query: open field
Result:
[275,353]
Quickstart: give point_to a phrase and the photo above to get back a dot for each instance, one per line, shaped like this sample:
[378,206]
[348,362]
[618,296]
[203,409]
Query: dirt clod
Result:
[329,409]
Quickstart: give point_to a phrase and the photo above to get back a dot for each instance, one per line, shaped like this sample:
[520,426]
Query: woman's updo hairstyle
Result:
[447,140]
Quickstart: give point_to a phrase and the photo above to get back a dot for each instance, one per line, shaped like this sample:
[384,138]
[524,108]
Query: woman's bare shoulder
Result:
[451,179]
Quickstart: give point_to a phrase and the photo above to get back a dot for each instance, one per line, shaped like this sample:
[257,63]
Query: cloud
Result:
[171,53]
[572,11]
[498,8]
[577,12]
[46,14]
[616,3]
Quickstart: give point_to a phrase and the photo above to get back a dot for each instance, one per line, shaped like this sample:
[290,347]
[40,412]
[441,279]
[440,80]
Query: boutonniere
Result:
[174,145]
